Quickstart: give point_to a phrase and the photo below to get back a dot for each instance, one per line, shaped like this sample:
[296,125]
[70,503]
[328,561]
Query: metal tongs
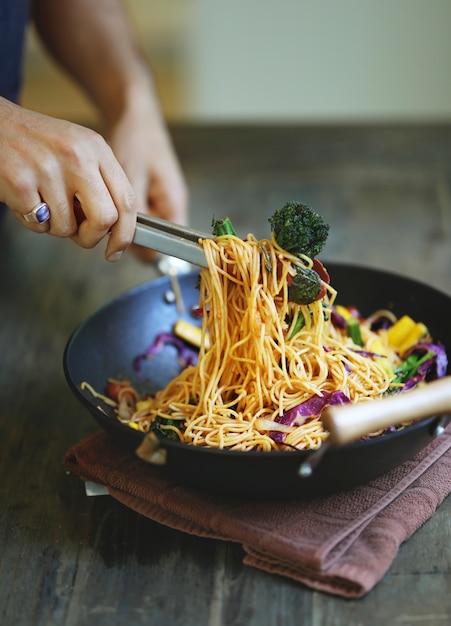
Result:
[171,239]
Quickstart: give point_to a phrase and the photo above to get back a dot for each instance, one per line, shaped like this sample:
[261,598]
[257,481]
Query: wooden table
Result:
[69,559]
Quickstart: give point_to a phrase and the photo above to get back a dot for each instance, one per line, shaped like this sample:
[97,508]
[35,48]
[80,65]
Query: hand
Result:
[142,145]
[51,160]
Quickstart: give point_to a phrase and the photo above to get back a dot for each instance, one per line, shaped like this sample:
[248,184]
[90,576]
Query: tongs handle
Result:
[170,239]
[349,422]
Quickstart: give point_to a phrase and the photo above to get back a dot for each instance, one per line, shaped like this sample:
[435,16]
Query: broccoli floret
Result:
[299,230]
[223,227]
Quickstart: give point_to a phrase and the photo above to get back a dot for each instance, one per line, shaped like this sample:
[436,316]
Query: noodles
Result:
[258,367]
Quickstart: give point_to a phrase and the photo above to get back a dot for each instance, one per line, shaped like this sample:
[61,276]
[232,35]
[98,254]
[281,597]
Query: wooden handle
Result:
[349,422]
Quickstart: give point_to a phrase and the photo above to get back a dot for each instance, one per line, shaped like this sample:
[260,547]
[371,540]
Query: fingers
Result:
[106,199]
[48,163]
[51,161]
[163,191]
[124,200]
[168,194]
[37,219]
[161,194]
[158,184]
[168,199]
[104,205]
[143,147]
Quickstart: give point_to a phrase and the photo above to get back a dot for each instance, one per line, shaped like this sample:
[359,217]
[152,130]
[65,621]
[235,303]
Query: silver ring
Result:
[39,215]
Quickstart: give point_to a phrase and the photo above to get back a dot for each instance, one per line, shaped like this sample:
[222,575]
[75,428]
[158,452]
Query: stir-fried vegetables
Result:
[185,353]
[223,227]
[414,355]
[303,233]
[305,286]
[422,362]
[414,359]
[403,347]
[310,408]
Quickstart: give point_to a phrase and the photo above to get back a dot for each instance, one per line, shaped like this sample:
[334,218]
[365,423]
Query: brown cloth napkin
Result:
[342,544]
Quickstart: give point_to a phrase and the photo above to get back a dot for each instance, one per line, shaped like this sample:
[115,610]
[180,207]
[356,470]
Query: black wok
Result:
[106,344]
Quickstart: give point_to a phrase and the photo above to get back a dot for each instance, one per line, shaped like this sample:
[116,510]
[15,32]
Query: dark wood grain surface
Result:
[66,558]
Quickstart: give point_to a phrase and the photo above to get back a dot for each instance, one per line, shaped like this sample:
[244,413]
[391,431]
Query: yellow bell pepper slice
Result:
[416,334]
[377,347]
[398,333]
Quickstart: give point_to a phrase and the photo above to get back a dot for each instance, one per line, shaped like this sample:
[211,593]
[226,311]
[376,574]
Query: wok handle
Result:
[349,422]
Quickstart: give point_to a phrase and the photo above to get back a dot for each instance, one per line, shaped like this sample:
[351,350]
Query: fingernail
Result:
[115,256]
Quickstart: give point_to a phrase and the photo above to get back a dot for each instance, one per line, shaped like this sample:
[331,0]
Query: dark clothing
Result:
[14,16]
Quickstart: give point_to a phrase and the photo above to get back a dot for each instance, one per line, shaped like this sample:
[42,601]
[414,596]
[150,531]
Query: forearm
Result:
[94,42]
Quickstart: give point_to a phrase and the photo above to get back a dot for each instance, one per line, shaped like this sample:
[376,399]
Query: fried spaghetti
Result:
[258,365]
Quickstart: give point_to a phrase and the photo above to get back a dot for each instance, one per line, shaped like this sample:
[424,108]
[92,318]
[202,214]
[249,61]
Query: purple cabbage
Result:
[434,367]
[185,354]
[381,323]
[310,408]
[437,366]
[338,320]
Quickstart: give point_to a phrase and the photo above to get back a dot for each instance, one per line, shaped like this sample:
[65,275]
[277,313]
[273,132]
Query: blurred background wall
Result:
[280,61]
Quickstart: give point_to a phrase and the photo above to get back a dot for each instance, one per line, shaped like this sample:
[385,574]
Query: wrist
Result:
[135,96]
